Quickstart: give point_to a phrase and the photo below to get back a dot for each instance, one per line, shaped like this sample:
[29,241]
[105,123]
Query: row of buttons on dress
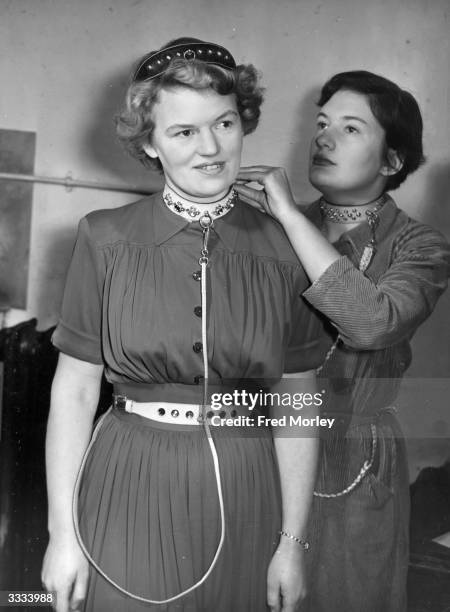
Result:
[197,347]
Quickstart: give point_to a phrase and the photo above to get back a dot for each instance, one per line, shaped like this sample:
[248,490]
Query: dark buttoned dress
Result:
[149,511]
[359,549]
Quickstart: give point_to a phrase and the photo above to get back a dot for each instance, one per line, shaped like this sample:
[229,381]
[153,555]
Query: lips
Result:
[321,160]
[211,167]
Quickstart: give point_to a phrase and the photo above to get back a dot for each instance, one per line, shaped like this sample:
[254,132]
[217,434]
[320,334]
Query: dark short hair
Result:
[395,109]
[134,124]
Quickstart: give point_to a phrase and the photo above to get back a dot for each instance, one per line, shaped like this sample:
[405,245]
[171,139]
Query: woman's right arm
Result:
[275,198]
[74,400]
[376,314]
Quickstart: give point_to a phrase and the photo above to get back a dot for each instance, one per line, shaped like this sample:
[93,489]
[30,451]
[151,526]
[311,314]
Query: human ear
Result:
[150,150]
[393,163]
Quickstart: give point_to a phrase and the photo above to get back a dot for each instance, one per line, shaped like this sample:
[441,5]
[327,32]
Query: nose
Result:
[324,139]
[208,143]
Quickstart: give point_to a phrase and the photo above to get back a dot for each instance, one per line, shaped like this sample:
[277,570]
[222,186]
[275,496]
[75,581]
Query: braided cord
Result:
[362,472]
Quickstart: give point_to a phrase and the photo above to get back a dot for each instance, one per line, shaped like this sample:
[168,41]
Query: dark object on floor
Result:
[30,361]
[430,503]
[429,570]
[29,365]
[429,578]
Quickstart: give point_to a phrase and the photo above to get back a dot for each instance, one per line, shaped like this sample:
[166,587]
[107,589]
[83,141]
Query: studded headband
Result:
[157,63]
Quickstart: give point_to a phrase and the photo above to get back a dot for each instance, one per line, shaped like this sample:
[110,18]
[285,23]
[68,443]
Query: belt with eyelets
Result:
[170,412]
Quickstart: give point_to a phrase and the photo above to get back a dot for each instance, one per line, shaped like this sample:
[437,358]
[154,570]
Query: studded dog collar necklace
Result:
[351,214]
[192,211]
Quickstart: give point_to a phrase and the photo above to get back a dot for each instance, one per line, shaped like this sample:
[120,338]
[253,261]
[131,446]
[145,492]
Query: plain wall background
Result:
[63,69]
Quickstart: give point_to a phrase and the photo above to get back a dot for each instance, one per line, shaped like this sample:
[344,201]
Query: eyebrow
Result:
[345,117]
[186,126]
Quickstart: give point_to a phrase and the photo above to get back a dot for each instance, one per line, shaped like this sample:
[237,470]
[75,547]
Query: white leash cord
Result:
[203,261]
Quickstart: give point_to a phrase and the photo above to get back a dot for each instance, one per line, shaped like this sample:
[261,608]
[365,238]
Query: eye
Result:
[350,129]
[226,124]
[321,125]
[184,133]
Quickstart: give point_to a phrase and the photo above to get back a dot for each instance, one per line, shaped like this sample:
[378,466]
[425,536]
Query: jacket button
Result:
[198,311]
[197,347]
[197,275]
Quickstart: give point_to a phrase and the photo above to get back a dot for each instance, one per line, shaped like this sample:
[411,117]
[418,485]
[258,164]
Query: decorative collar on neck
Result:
[351,214]
[193,211]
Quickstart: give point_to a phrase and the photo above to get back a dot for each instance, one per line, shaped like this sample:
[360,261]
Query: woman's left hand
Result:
[286,578]
[275,197]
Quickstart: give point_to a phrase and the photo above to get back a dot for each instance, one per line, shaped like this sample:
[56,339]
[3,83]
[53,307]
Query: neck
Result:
[196,200]
[350,201]
[353,196]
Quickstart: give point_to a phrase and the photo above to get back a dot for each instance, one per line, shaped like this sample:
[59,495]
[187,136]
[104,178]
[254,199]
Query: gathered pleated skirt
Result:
[149,515]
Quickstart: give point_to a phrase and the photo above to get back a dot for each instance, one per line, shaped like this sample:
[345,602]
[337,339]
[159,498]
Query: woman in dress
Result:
[181,295]
[376,275]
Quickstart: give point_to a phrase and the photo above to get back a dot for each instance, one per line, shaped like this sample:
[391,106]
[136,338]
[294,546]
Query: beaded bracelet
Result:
[303,543]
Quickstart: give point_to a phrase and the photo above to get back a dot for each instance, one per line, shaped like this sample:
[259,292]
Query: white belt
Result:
[171,412]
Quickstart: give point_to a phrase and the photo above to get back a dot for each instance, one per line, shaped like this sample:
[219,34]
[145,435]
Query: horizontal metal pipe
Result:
[71,183]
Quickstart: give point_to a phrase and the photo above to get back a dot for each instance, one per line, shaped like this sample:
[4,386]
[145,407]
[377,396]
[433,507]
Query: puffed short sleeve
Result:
[78,332]
[306,346]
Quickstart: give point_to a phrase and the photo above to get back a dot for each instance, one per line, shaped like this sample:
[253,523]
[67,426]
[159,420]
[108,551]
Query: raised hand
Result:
[274,197]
